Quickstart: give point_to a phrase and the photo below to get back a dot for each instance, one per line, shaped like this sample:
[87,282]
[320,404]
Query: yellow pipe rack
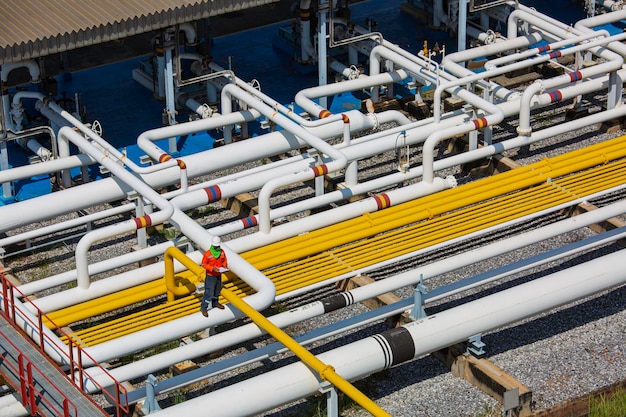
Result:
[372,237]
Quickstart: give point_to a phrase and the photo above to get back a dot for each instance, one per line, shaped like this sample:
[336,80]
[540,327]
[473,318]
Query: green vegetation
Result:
[488,411]
[167,233]
[608,405]
[201,211]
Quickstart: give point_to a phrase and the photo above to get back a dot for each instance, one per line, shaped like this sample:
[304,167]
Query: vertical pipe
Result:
[462,25]
[321,54]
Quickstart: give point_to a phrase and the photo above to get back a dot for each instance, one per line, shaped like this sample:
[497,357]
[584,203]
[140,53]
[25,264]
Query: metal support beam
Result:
[418,312]
[150,404]
[332,399]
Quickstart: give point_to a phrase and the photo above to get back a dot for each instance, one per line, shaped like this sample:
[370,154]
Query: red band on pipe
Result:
[164,157]
[319,170]
[249,222]
[555,96]
[480,123]
[213,193]
[324,113]
[576,76]
[143,221]
[382,201]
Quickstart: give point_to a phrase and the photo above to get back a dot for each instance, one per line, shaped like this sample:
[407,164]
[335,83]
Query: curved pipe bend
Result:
[85,243]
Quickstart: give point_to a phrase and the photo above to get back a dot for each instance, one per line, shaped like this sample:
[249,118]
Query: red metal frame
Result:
[120,400]
[27,388]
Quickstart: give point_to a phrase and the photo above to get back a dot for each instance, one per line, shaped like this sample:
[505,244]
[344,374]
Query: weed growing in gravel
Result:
[489,411]
[608,405]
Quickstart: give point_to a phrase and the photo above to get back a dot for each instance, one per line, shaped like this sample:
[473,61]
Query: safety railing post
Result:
[66,407]
[23,391]
[74,360]
[31,387]
[79,364]
[40,329]
[5,290]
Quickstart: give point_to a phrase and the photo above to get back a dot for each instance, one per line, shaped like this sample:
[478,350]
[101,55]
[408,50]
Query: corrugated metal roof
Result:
[33,28]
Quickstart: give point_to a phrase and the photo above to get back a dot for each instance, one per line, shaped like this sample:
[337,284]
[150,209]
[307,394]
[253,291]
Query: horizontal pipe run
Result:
[325,371]
[363,319]
[411,341]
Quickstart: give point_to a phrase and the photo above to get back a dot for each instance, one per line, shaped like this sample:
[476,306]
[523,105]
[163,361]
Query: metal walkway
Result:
[391,232]
[47,387]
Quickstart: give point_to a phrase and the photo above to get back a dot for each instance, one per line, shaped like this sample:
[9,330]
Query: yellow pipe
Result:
[187,288]
[424,231]
[326,372]
[307,244]
[103,304]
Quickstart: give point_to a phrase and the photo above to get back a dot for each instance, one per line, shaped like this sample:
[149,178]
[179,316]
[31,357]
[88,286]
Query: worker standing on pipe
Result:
[215,262]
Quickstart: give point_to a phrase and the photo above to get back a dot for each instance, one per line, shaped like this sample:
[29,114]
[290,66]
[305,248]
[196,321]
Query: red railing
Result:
[119,400]
[31,397]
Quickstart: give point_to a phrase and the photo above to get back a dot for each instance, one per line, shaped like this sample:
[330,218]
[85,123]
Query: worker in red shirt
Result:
[215,263]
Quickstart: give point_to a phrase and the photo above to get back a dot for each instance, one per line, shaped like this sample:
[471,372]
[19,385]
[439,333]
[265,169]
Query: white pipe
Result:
[106,147]
[145,141]
[534,52]
[306,46]
[392,283]
[552,28]
[45,167]
[339,159]
[450,61]
[540,86]
[492,70]
[354,209]
[201,109]
[548,26]
[411,341]
[74,295]
[31,65]
[480,153]
[587,25]
[35,147]
[105,286]
[462,26]
[428,150]
[304,98]
[379,52]
[82,248]
[349,73]
[143,339]
[611,5]
[190,32]
[339,195]
[229,188]
[244,333]
[272,143]
[68,224]
[305,101]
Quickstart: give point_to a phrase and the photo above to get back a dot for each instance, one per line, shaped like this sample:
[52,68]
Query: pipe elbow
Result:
[31,65]
[190,33]
[180,286]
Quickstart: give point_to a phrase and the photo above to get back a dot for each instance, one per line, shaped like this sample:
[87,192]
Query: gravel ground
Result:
[560,354]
